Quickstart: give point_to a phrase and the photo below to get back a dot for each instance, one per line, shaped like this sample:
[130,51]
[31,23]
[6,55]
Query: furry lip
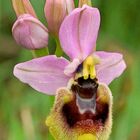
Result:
[74,118]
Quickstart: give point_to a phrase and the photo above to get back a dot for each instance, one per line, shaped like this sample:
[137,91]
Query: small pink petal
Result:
[30,32]
[78,32]
[112,66]
[45,74]
[71,68]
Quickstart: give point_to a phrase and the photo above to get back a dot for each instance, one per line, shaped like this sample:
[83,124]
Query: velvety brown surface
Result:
[85,88]
[73,116]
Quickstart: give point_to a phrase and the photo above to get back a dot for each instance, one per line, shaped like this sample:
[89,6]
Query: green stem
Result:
[40,52]
[58,51]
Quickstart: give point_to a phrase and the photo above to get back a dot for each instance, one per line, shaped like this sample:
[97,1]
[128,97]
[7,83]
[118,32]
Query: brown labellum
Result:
[85,108]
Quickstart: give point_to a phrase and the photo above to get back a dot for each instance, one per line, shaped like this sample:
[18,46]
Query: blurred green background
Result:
[23,110]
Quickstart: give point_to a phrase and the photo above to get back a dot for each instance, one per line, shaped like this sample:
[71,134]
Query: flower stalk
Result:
[40,52]
[58,51]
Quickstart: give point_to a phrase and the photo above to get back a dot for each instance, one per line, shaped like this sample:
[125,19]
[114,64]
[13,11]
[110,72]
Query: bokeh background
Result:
[23,110]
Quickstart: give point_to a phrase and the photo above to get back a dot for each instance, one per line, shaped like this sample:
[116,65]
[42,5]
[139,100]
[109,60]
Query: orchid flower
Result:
[78,35]
[70,117]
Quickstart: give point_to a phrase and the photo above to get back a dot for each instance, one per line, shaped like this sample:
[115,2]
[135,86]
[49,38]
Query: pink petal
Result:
[112,66]
[30,32]
[45,74]
[71,68]
[78,32]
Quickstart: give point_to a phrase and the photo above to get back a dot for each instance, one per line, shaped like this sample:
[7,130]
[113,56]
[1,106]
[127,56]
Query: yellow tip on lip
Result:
[66,99]
[48,121]
[87,137]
